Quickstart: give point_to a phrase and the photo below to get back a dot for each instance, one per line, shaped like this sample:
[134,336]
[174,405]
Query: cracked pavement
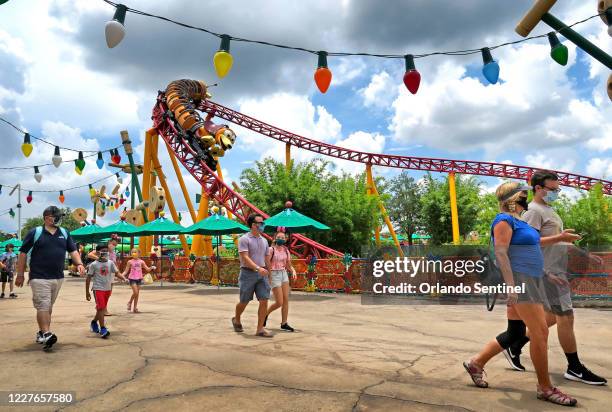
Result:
[181,353]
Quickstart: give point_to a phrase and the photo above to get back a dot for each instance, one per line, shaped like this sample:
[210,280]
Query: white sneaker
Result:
[49,339]
[39,337]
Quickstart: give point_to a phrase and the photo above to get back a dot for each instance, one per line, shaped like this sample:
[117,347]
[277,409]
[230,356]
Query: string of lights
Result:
[223,60]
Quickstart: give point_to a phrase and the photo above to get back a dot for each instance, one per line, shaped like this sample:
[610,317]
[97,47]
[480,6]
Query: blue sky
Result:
[59,80]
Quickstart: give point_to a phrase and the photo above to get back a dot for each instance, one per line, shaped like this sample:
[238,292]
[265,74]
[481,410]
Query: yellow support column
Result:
[202,245]
[383,212]
[179,176]
[453,204]
[162,181]
[288,157]
[370,192]
[229,214]
[146,184]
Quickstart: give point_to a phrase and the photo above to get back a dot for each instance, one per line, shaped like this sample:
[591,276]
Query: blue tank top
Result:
[524,252]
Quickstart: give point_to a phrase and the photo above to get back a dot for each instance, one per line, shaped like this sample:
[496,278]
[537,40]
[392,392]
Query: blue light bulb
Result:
[490,70]
[100,161]
[127,192]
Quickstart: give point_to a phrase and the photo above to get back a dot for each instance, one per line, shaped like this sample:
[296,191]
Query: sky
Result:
[58,80]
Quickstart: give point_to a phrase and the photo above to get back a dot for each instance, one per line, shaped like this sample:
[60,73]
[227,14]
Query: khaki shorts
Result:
[44,293]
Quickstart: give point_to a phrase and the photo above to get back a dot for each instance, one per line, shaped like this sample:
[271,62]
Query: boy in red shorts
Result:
[102,271]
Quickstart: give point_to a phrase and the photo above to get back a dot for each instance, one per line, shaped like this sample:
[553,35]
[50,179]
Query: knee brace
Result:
[516,331]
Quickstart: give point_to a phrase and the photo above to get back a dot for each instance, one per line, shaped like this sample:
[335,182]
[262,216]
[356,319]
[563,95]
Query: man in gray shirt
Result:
[543,217]
[254,277]
[102,271]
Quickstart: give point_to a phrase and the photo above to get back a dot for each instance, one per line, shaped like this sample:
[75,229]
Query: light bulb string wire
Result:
[66,189]
[67,161]
[346,54]
[40,139]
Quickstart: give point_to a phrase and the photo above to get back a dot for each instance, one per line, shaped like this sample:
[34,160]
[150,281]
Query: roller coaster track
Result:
[194,160]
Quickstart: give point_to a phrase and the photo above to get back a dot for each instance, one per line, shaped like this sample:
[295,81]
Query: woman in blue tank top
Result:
[519,257]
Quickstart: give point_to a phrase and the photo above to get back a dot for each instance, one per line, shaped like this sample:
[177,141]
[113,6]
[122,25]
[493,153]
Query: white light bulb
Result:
[38,177]
[114,32]
[610,30]
[57,160]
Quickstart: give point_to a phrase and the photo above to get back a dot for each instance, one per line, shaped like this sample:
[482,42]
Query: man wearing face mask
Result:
[47,246]
[543,217]
[254,277]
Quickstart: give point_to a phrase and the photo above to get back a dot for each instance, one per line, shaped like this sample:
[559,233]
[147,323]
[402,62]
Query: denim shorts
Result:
[251,282]
[279,277]
[135,282]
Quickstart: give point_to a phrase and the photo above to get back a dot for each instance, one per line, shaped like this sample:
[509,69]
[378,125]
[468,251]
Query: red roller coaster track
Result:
[302,246]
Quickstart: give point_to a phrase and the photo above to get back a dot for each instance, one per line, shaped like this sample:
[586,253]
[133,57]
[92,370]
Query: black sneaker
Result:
[1,295]
[585,376]
[285,326]
[514,360]
[12,295]
[49,339]
[39,337]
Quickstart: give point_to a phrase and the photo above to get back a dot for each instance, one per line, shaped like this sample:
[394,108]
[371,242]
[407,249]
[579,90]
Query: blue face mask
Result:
[280,241]
[261,227]
[550,197]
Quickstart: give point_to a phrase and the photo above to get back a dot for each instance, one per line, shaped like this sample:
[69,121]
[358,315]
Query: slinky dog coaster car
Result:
[182,99]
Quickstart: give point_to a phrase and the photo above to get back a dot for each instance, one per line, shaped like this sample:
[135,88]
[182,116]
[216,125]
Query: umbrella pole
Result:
[161,260]
[218,267]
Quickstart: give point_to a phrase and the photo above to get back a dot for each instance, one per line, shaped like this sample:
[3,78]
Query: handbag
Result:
[147,279]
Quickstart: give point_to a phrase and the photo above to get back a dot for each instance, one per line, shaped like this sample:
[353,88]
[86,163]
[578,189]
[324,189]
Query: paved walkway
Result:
[181,354]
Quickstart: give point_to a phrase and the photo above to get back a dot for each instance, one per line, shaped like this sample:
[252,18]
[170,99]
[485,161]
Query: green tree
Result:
[435,207]
[489,208]
[590,215]
[338,201]
[404,204]
[68,222]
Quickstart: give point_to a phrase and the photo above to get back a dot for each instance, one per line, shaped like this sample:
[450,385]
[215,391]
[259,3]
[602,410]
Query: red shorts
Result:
[102,297]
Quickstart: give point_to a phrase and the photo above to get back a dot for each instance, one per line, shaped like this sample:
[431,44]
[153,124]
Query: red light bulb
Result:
[29,198]
[116,157]
[412,78]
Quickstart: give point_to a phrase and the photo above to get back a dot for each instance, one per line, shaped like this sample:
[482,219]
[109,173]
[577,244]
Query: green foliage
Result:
[68,222]
[590,215]
[337,201]
[489,208]
[435,207]
[404,205]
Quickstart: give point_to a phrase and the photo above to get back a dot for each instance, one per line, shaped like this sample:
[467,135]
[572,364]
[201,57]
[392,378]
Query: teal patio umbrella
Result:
[216,225]
[86,233]
[12,241]
[294,221]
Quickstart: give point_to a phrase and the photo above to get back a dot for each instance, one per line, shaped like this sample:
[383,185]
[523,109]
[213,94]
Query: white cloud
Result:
[380,92]
[601,168]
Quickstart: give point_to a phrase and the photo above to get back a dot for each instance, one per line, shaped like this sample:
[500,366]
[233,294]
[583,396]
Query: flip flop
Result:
[237,326]
[264,334]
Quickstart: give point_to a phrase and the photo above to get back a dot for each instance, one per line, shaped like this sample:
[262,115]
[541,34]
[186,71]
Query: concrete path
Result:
[181,354]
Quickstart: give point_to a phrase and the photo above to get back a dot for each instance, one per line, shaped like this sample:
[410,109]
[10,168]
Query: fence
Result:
[587,279]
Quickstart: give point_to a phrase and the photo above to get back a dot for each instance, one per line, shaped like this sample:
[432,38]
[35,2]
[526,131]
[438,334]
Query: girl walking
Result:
[135,267]
[279,260]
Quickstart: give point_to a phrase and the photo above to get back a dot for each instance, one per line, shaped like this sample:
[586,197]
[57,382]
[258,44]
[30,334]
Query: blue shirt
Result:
[48,257]
[524,252]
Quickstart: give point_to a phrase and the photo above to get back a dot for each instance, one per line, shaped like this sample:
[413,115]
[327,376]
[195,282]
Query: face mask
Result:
[103,256]
[550,197]
[280,241]
[261,227]
[523,203]
[135,255]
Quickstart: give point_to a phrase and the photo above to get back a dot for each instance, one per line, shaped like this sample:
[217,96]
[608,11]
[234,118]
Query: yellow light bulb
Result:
[78,171]
[223,62]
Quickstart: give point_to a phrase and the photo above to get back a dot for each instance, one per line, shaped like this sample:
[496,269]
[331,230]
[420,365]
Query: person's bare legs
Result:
[43,317]
[134,291]
[261,314]
[278,300]
[493,347]
[240,307]
[136,296]
[285,309]
[535,319]
[565,332]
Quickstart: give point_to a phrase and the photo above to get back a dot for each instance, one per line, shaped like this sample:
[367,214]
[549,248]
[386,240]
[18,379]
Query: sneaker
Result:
[39,337]
[94,326]
[49,339]
[104,333]
[476,373]
[12,295]
[285,326]
[514,360]
[585,376]
[1,295]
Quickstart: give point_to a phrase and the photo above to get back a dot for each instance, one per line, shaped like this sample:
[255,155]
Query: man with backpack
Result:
[47,246]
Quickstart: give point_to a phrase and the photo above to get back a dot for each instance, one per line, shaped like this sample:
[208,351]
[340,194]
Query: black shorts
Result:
[6,277]
[135,282]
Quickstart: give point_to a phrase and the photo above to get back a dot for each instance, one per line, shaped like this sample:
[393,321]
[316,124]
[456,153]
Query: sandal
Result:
[476,374]
[129,307]
[557,397]
[237,326]
[136,310]
[264,334]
